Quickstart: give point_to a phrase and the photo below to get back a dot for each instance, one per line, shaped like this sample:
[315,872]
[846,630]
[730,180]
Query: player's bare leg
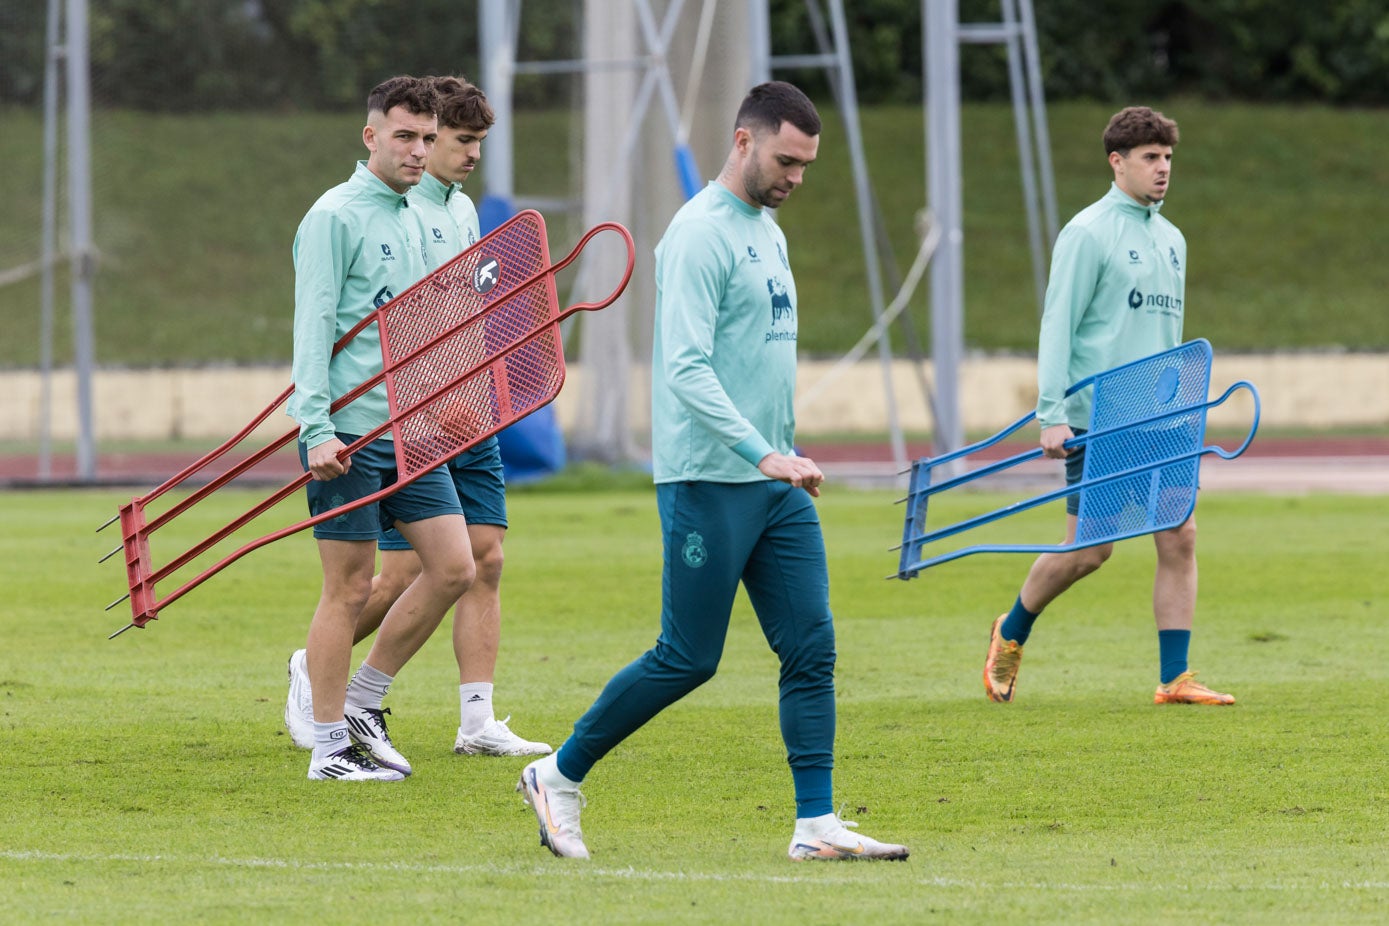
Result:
[347,570]
[477,631]
[1174,605]
[398,569]
[446,572]
[1174,583]
[1051,575]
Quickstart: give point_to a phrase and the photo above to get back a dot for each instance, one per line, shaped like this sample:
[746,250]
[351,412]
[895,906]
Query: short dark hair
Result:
[768,105]
[462,105]
[1136,126]
[416,94]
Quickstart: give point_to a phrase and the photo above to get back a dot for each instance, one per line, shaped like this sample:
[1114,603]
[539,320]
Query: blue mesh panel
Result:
[1175,383]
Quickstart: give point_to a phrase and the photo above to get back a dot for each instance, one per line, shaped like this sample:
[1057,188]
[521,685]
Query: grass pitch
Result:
[149,778]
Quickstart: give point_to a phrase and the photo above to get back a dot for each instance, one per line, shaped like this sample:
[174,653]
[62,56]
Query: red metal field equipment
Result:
[468,350]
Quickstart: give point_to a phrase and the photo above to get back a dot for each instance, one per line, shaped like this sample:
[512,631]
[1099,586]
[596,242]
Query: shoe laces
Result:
[378,720]
[358,755]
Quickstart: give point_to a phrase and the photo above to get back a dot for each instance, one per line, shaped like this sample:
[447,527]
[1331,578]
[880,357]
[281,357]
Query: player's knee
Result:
[1090,559]
[488,564]
[351,592]
[700,669]
[1178,543]
[454,576]
[810,652]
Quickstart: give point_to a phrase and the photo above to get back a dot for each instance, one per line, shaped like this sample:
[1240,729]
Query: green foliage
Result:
[187,55]
[195,255]
[149,779]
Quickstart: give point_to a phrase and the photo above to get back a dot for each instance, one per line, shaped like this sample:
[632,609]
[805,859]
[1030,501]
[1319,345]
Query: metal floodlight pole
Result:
[867,231]
[83,252]
[498,22]
[940,24]
[53,53]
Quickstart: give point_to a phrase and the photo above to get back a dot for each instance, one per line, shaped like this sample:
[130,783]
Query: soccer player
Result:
[357,247]
[449,224]
[734,499]
[1116,291]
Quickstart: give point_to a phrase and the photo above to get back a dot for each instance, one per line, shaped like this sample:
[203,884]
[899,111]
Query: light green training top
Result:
[448,217]
[449,226]
[1117,285]
[356,249]
[724,352]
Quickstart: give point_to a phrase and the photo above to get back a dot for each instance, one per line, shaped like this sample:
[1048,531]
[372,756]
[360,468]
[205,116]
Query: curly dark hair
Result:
[416,94]
[1136,126]
[462,105]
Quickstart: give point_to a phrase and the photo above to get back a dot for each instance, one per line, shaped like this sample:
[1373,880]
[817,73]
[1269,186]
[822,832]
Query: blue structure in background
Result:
[533,447]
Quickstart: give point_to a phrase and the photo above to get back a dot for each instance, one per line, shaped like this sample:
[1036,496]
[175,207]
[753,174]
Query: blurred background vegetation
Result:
[218,122]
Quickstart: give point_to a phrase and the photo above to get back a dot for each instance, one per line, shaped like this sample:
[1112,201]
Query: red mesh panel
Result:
[449,392]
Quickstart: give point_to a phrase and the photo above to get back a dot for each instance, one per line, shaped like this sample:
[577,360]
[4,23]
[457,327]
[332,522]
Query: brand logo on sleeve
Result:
[383,296]
[1176,264]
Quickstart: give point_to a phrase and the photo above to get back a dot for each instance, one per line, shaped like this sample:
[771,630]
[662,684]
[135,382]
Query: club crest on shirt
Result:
[693,552]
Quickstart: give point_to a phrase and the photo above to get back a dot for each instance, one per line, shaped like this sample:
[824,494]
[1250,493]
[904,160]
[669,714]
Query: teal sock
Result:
[1173,646]
[1017,626]
[814,791]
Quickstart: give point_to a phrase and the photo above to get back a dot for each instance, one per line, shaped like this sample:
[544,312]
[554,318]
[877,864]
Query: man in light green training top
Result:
[734,499]
[1116,292]
[449,225]
[356,249]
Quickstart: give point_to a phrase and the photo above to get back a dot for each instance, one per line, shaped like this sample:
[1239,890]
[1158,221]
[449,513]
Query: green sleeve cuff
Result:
[753,448]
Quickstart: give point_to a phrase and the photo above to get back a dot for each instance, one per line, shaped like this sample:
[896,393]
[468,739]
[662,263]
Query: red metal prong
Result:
[135,542]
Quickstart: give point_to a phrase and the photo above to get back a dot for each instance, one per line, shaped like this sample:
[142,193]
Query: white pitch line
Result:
[587,871]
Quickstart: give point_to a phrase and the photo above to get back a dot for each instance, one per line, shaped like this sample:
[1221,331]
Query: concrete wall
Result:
[1297,390]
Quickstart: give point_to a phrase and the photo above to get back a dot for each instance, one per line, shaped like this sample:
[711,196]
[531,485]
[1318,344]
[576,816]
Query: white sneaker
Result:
[368,727]
[557,809]
[496,739]
[828,837]
[351,763]
[299,704]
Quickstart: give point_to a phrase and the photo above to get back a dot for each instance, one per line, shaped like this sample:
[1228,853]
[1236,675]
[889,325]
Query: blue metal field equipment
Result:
[1143,450]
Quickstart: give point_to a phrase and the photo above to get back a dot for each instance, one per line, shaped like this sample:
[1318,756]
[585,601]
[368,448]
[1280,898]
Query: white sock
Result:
[475,707]
[368,688]
[547,770]
[328,738]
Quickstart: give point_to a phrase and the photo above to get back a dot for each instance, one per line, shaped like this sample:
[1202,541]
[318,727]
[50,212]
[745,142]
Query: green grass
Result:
[195,216]
[148,778]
